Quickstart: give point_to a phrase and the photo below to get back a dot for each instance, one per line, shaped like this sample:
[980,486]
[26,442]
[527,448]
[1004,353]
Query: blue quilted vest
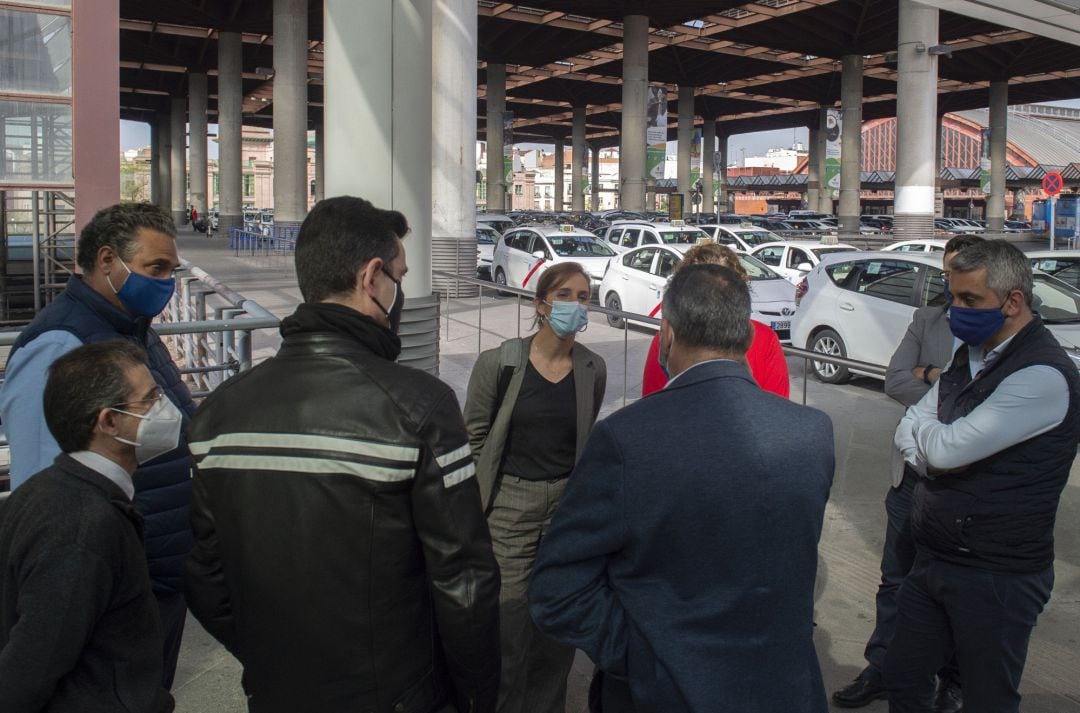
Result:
[163,485]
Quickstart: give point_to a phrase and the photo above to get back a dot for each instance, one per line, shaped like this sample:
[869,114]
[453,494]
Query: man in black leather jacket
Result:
[342,553]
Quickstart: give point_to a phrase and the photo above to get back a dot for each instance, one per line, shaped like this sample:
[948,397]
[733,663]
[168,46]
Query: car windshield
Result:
[1064,269]
[579,246]
[672,237]
[486,237]
[501,225]
[753,238]
[756,269]
[1056,302]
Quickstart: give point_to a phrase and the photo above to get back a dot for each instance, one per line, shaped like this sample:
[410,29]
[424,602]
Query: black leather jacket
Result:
[342,554]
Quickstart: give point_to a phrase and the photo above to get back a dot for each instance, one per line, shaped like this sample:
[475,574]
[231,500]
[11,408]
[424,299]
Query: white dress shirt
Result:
[1027,403]
[111,470]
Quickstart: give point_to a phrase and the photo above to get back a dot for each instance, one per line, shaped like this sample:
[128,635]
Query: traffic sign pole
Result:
[1052,201]
[1052,183]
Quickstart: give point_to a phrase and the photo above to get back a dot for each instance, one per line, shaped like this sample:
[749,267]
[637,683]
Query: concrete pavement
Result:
[863,418]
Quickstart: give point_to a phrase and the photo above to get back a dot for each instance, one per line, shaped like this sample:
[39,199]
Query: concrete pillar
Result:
[95,67]
[594,178]
[320,160]
[559,175]
[178,160]
[197,140]
[813,170]
[290,112]
[916,119]
[708,149]
[825,199]
[155,161]
[496,105]
[378,116]
[163,177]
[995,202]
[230,133]
[632,137]
[851,146]
[685,137]
[577,161]
[939,162]
[453,141]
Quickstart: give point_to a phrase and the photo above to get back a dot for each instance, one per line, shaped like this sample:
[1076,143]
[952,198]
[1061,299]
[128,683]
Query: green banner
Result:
[655,131]
[984,162]
[833,127]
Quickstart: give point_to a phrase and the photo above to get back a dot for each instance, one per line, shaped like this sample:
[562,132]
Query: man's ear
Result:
[106,259]
[107,422]
[365,276]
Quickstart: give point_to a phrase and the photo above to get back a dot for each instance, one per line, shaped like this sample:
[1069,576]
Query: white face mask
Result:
[159,430]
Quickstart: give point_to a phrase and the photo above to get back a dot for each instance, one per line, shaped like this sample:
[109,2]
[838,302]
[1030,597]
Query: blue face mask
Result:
[567,318]
[144,296]
[975,326]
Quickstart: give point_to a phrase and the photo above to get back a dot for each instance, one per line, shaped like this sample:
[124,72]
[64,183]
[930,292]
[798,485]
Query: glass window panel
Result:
[35,142]
[35,53]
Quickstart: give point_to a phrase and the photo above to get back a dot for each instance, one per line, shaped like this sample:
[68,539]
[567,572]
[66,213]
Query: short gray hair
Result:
[1007,268]
[708,306]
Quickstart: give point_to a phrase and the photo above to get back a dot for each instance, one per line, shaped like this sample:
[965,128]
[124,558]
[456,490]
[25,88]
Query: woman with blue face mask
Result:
[530,406]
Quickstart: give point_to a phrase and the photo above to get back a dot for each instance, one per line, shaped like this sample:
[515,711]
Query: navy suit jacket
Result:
[684,551]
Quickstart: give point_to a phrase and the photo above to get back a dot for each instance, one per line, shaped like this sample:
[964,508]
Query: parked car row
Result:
[858,305]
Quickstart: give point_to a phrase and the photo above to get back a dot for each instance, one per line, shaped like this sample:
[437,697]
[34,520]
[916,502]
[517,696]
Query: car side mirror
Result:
[804,267]
[539,253]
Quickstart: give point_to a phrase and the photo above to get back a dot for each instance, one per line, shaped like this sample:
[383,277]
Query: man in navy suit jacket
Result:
[683,555]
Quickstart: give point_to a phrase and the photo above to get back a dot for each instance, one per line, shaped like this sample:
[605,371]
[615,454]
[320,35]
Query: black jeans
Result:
[984,617]
[897,558]
[173,610]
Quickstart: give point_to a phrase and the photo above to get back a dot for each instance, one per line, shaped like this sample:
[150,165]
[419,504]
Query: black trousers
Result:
[897,559]
[173,610]
[984,617]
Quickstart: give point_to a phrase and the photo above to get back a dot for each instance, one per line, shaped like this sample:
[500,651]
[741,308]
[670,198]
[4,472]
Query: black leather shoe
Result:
[949,699]
[859,692]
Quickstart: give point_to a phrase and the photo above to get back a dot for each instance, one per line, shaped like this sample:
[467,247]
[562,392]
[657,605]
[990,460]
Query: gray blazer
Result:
[488,429]
[928,341]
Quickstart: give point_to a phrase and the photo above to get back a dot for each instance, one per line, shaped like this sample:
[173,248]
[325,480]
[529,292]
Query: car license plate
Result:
[778,326]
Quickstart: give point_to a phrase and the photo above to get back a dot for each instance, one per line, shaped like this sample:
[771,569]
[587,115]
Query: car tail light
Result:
[800,290]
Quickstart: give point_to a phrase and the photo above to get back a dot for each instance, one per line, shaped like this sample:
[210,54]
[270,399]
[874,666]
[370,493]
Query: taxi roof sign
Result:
[566,228]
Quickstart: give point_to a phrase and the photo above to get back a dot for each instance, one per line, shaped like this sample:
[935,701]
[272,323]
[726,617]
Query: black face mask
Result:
[393,315]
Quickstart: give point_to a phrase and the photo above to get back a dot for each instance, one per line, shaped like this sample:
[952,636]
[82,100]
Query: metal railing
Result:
[208,328]
[807,356]
[279,241]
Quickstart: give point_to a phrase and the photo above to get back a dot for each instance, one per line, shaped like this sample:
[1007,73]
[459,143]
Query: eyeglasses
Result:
[157,395]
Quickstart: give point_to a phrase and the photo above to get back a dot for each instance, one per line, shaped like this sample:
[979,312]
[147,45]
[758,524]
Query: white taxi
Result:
[627,235]
[792,259]
[523,254]
[635,282]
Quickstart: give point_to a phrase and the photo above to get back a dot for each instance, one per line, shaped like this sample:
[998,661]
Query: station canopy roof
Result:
[766,64]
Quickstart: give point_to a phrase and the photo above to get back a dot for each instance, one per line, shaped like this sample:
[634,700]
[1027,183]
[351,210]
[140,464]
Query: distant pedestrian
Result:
[79,628]
[683,556]
[531,404]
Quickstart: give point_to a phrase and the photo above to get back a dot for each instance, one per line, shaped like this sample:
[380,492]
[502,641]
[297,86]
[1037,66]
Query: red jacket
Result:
[765,356]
